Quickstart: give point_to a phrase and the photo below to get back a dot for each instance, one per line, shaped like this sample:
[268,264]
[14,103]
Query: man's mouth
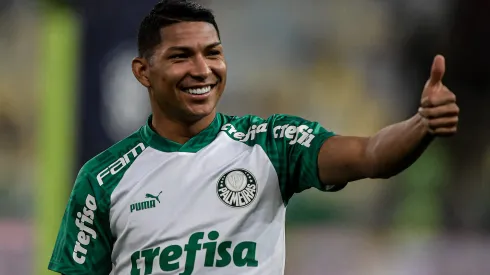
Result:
[198,90]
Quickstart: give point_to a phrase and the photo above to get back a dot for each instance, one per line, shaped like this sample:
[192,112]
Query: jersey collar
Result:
[193,145]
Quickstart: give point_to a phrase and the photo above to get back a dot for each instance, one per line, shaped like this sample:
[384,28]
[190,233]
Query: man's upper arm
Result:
[84,241]
[293,145]
[343,159]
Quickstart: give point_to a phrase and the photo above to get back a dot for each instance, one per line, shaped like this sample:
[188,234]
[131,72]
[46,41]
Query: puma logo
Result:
[150,196]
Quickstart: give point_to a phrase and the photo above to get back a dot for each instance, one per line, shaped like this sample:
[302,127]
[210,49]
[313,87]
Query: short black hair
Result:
[166,13]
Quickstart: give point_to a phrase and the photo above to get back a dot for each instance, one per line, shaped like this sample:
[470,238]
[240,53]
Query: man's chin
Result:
[201,112]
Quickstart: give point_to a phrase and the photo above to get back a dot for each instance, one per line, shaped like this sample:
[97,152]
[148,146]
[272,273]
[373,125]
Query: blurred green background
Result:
[67,93]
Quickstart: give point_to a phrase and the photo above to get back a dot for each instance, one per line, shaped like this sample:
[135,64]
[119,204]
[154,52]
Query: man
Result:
[198,192]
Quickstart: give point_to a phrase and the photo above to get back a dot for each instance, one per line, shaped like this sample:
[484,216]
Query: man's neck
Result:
[177,130]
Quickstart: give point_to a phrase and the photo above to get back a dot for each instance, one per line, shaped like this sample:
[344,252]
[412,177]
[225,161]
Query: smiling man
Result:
[199,192]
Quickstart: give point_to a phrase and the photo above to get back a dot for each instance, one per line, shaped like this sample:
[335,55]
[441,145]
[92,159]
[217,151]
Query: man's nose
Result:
[200,68]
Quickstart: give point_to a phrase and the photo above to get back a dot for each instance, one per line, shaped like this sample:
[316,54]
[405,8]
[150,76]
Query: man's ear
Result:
[141,69]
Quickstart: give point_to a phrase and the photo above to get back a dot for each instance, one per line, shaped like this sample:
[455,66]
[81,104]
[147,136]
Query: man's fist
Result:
[438,105]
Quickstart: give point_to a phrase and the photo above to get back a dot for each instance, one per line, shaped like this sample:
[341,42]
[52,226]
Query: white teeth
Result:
[198,91]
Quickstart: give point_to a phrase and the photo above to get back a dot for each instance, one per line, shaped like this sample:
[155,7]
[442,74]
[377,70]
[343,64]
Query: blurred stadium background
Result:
[67,93]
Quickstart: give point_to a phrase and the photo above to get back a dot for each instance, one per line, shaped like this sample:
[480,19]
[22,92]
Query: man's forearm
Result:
[396,147]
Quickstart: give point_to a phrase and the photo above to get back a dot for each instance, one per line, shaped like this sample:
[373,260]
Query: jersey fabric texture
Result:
[214,205]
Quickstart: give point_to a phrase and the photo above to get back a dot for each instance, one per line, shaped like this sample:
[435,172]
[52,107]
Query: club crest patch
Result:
[237,188]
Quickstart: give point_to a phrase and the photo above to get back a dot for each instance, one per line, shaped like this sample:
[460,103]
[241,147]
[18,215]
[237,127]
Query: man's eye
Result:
[214,52]
[178,56]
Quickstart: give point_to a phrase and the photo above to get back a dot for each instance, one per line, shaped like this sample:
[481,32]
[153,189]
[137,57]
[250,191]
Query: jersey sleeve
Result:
[84,241]
[293,144]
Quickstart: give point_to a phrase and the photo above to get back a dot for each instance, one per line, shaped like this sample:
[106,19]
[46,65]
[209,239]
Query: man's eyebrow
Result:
[212,45]
[188,49]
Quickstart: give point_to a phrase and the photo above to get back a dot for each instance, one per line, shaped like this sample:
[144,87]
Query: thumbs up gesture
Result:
[438,105]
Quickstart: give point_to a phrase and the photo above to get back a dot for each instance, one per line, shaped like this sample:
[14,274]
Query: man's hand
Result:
[438,105]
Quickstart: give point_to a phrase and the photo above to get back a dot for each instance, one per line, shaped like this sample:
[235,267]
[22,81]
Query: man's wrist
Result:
[420,124]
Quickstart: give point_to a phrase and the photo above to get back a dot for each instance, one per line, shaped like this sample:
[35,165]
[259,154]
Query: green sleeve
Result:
[84,241]
[293,144]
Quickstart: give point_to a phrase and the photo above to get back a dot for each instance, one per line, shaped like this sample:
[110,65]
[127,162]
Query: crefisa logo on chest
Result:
[237,188]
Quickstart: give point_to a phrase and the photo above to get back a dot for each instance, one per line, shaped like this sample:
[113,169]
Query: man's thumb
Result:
[438,70]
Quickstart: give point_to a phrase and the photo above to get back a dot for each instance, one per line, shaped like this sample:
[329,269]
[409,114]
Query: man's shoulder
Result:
[242,121]
[246,121]
[252,129]
[115,159]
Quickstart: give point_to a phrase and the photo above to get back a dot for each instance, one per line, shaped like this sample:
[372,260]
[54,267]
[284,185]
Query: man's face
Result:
[187,73]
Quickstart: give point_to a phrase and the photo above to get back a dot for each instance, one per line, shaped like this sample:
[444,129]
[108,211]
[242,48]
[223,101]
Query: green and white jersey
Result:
[214,205]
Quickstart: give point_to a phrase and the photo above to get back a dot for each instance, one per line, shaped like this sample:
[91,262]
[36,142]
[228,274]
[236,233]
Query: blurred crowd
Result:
[355,66]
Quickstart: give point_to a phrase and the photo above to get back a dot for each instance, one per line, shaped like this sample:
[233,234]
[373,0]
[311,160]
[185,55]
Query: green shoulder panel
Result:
[84,242]
[292,145]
